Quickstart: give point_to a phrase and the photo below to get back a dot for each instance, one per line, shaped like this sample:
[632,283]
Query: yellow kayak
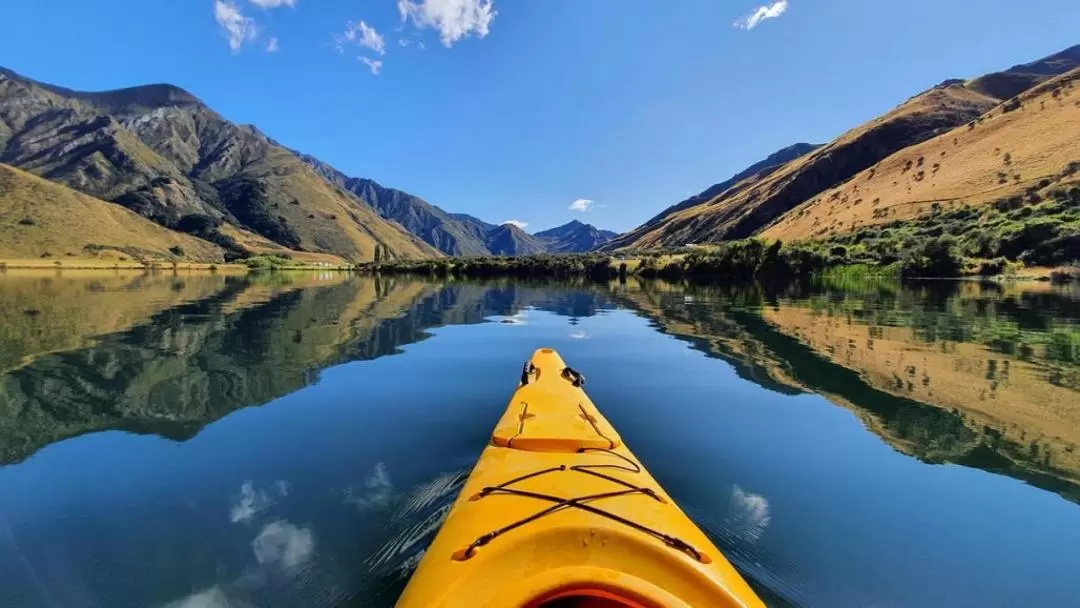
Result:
[559,513]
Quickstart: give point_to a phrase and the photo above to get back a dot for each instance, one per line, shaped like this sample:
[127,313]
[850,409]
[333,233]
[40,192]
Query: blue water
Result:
[326,495]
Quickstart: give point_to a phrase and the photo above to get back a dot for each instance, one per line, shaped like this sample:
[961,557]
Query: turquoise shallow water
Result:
[294,443]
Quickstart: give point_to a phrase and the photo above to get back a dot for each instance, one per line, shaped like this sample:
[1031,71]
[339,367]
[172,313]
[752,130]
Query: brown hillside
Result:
[39,218]
[992,389]
[162,153]
[1029,143]
[747,208]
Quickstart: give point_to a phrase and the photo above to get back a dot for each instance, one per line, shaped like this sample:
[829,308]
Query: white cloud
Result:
[377,492]
[272,46]
[249,503]
[213,597]
[582,205]
[284,545]
[518,223]
[238,29]
[453,19]
[273,3]
[364,35]
[404,42]
[374,64]
[761,13]
[749,514]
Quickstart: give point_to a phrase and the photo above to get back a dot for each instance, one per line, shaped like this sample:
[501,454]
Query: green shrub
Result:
[933,258]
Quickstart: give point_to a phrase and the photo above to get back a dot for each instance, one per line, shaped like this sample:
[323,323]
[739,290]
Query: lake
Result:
[294,439]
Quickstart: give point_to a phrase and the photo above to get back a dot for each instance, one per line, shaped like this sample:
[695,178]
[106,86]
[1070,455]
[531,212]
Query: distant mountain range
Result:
[162,154]
[574,236]
[459,234]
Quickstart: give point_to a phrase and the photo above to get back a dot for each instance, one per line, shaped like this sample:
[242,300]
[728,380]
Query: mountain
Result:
[435,226]
[748,207]
[460,234]
[1022,152]
[758,170]
[39,218]
[159,151]
[508,239]
[1020,78]
[573,237]
[476,227]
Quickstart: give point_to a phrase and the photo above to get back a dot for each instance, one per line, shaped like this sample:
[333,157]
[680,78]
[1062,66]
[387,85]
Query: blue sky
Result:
[514,109]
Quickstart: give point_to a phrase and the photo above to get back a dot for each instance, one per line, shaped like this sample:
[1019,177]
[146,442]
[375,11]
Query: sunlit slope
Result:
[753,203]
[1026,147]
[1033,403]
[775,201]
[41,218]
[781,348]
[164,154]
[186,366]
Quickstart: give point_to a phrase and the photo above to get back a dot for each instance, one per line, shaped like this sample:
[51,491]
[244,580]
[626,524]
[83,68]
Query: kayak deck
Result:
[558,512]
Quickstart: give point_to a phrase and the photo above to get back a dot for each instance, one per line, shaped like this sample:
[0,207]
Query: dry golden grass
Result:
[991,389]
[46,311]
[1003,155]
[327,218]
[39,217]
[755,194]
[260,245]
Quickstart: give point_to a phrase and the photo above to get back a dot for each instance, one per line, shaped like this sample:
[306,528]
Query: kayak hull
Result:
[558,506]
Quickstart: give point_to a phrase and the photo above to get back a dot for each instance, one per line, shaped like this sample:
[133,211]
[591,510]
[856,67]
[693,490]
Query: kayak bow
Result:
[559,513]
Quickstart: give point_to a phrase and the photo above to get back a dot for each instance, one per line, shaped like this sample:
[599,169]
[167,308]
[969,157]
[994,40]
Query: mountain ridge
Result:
[161,152]
[751,206]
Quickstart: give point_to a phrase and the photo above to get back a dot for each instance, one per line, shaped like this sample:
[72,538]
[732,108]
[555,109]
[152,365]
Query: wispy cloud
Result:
[375,65]
[365,36]
[272,46]
[213,597]
[518,223]
[238,29]
[761,13]
[249,503]
[453,19]
[284,545]
[582,205]
[377,491]
[273,3]
[749,515]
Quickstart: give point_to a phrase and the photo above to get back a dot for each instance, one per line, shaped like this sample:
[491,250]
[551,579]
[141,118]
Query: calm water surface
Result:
[199,440]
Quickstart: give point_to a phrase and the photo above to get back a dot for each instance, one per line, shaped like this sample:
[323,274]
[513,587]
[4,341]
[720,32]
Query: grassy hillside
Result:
[39,218]
[751,205]
[433,225]
[1027,147]
[639,237]
[162,153]
[172,361]
[978,404]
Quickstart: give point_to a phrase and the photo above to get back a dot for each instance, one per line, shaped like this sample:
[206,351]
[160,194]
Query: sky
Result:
[536,111]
